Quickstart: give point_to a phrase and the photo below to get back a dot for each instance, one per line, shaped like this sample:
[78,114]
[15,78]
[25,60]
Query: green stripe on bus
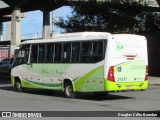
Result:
[45,84]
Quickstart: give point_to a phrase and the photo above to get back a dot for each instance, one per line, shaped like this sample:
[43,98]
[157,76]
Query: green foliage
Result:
[120,16]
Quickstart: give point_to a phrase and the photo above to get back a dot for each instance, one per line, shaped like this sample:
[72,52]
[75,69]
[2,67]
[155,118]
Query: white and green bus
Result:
[82,62]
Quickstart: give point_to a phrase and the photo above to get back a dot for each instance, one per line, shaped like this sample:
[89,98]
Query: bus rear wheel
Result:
[68,91]
[18,86]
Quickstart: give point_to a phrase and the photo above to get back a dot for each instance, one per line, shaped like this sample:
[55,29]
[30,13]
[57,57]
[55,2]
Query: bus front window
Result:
[22,55]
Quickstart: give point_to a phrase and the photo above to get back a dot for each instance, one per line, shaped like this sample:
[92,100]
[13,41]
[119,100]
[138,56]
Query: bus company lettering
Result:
[53,72]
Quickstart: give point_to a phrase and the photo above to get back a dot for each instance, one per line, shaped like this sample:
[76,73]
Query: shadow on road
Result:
[88,96]
[102,97]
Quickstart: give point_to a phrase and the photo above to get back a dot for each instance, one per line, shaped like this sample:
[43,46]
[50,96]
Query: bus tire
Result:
[18,86]
[68,90]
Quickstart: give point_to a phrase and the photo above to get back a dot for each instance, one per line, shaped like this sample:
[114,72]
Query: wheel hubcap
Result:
[18,86]
[68,90]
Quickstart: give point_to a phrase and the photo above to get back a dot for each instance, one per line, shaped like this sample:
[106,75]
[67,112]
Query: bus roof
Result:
[81,34]
[129,36]
[70,37]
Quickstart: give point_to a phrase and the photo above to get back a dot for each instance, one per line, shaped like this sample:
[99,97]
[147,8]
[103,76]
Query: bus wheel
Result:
[18,86]
[68,90]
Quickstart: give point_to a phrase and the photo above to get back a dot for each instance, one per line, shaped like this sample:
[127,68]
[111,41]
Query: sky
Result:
[34,21]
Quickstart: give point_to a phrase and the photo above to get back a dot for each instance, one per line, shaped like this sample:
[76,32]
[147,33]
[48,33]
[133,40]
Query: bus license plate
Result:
[129,87]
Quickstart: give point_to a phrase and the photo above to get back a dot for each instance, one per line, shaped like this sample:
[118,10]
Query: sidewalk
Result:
[154,80]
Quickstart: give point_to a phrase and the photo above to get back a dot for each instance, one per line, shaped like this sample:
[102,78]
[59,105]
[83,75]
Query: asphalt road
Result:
[39,100]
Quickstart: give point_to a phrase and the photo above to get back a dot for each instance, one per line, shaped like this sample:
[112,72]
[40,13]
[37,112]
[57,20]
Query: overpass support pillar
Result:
[46,24]
[15,29]
[1,29]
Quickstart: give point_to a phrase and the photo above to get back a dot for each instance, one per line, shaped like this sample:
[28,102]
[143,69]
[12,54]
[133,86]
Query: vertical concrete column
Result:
[1,30]
[15,29]
[46,24]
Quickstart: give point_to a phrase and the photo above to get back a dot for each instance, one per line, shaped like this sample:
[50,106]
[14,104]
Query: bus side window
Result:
[41,53]
[75,52]
[23,55]
[58,53]
[97,51]
[26,55]
[87,52]
[50,53]
[92,52]
[34,54]
[66,52]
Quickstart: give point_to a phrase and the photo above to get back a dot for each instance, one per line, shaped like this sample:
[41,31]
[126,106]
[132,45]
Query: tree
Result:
[117,17]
